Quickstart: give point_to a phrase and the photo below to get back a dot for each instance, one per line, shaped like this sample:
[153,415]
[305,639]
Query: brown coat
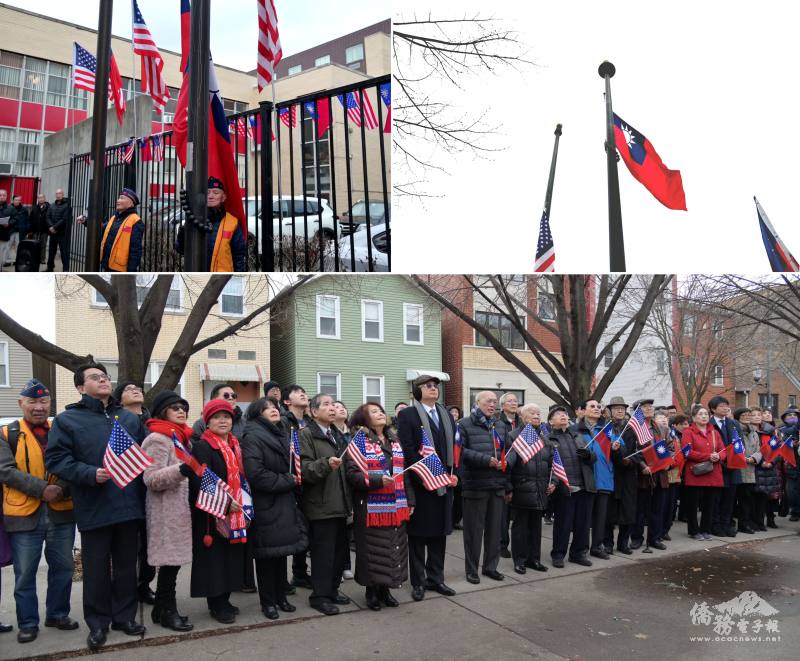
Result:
[169,522]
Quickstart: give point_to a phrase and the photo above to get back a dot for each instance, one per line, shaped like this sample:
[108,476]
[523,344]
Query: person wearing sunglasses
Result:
[169,522]
[226,392]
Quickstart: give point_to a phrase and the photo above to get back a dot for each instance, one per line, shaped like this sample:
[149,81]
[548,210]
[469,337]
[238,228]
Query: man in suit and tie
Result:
[722,518]
[432,519]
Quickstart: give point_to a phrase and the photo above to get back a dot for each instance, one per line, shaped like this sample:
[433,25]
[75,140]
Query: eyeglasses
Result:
[430,385]
[132,389]
[230,395]
[179,407]
[97,377]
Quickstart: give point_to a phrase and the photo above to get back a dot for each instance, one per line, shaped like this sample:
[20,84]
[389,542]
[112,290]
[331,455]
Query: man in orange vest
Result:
[37,511]
[123,235]
[226,247]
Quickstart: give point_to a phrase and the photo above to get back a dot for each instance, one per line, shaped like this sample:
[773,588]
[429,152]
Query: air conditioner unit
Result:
[168,119]
[5,168]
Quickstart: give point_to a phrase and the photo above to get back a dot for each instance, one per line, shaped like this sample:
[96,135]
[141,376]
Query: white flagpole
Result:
[278,156]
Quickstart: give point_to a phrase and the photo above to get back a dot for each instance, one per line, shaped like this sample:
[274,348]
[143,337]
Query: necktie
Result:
[435,418]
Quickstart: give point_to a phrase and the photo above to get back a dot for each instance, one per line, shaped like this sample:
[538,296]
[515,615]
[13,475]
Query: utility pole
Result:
[616,240]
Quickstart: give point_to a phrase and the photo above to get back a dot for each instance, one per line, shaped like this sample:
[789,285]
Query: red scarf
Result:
[182,432]
[234,466]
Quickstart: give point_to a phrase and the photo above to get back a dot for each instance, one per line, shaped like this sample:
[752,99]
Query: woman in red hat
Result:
[218,545]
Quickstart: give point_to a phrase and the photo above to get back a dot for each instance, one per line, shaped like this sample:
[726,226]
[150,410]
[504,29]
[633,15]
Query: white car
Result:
[282,221]
[380,254]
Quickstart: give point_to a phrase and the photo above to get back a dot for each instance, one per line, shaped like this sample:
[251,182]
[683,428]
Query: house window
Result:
[297,68]
[373,389]
[766,401]
[608,359]
[145,281]
[661,361]
[792,400]
[321,61]
[546,300]
[247,355]
[412,327]
[718,330]
[329,383]
[232,298]
[4,364]
[156,368]
[328,316]
[354,54]
[500,327]
[217,354]
[688,325]
[35,75]
[718,375]
[372,321]
[10,74]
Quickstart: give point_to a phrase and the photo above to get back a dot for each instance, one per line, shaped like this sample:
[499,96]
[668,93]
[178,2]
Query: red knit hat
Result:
[215,406]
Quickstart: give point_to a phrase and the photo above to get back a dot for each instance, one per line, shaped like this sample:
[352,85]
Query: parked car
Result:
[380,249]
[282,221]
[357,216]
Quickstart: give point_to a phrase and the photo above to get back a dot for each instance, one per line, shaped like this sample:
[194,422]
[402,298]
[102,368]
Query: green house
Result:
[358,338]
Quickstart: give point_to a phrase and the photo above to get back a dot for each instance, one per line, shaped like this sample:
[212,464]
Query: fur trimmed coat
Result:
[169,521]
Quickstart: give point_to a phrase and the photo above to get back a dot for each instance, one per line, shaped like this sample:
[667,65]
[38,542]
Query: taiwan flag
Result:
[657,456]
[321,112]
[736,459]
[646,166]
[769,446]
[603,439]
[786,451]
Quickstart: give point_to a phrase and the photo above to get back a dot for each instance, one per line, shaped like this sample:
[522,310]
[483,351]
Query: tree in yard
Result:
[431,59]
[137,308]
[571,346]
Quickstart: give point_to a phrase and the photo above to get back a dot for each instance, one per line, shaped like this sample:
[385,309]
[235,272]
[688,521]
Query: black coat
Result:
[59,215]
[218,568]
[626,477]
[530,480]
[381,551]
[568,443]
[477,451]
[38,218]
[433,513]
[5,230]
[279,528]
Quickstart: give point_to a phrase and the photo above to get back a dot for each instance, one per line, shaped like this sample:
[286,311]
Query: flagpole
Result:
[616,240]
[549,195]
[278,158]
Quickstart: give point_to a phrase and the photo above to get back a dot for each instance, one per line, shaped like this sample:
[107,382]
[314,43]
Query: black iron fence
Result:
[314,174]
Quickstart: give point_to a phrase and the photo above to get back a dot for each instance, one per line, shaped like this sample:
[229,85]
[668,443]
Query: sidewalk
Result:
[500,602]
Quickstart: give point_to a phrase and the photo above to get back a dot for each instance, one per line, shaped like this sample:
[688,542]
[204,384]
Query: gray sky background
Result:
[30,300]
[234,24]
[711,84]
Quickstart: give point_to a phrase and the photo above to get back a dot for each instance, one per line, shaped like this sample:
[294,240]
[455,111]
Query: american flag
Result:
[294,453]
[288,116]
[545,250]
[127,152]
[354,109]
[269,43]
[124,459]
[527,444]
[640,427]
[558,468]
[426,448]
[84,68]
[357,451]
[432,472]
[158,148]
[213,495]
[152,64]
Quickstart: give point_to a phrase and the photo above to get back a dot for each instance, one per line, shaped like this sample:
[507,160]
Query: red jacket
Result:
[703,444]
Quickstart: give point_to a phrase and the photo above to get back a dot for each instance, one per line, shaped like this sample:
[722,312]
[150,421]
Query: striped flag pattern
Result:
[357,451]
[124,459]
[558,468]
[294,453]
[350,102]
[158,148]
[84,68]
[152,64]
[269,43]
[432,472]
[213,495]
[527,444]
[288,116]
[545,249]
[426,448]
[127,153]
[640,427]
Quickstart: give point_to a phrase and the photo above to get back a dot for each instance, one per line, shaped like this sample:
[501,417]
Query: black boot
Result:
[386,597]
[171,619]
[373,602]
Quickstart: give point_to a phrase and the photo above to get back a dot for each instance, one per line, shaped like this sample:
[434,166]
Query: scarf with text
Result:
[388,505]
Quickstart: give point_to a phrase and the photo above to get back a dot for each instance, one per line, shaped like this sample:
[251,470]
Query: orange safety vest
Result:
[222,258]
[118,259]
[29,460]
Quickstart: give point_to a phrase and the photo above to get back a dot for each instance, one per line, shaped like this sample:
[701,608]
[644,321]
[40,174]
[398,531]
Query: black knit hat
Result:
[269,385]
[117,394]
[165,399]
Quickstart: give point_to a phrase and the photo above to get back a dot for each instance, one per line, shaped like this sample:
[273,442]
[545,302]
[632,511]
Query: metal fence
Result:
[324,158]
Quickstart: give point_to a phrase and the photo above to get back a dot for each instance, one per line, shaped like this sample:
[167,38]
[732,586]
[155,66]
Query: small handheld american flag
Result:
[527,444]
[640,427]
[357,451]
[294,453]
[558,468]
[214,494]
[426,447]
[432,472]
[124,459]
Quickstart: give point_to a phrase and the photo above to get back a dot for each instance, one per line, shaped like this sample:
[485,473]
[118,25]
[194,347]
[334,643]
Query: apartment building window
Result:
[373,389]
[328,317]
[321,61]
[412,324]
[718,375]
[28,153]
[661,361]
[792,400]
[354,54]
[8,148]
[80,99]
[35,77]
[4,364]
[247,355]
[546,300]
[608,358]
[57,82]
[688,325]
[217,354]
[719,329]
[501,328]
[329,383]
[316,156]
[231,302]
[372,321]
[10,74]
[297,68]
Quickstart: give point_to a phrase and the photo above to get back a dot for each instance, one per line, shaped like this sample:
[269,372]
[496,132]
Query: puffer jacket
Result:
[529,481]
[5,213]
[59,215]
[580,472]
[325,491]
[20,220]
[478,448]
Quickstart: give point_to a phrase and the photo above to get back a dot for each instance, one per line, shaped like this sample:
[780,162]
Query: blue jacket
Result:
[75,448]
[603,469]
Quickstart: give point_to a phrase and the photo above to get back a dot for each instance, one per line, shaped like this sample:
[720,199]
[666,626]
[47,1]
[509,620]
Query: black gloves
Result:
[584,453]
[185,470]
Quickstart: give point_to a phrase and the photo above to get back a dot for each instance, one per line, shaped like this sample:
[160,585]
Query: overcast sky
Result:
[30,300]
[713,85]
[233,22]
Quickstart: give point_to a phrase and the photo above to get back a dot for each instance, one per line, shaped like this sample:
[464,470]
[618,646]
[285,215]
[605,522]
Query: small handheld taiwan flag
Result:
[657,456]
[736,457]
[184,456]
[786,451]
[458,444]
[499,444]
[769,447]
[214,494]
[682,455]
[603,439]
[124,459]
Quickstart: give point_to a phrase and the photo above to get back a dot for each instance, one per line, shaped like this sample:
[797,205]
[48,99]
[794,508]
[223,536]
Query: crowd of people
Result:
[297,489]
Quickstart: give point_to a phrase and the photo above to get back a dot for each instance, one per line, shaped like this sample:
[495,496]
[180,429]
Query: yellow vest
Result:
[29,460]
[118,259]
[222,258]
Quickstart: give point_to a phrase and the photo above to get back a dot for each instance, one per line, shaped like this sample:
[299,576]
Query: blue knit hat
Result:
[34,389]
[213,182]
[131,195]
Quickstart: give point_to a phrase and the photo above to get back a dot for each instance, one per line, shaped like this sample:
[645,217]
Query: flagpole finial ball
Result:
[558,129]
[607,69]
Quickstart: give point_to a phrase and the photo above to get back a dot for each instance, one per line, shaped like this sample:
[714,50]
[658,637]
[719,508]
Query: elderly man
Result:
[38,512]
[6,227]
[484,488]
[531,487]
[123,236]
[58,221]
[622,504]
[507,420]
[432,521]
[38,223]
[572,506]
